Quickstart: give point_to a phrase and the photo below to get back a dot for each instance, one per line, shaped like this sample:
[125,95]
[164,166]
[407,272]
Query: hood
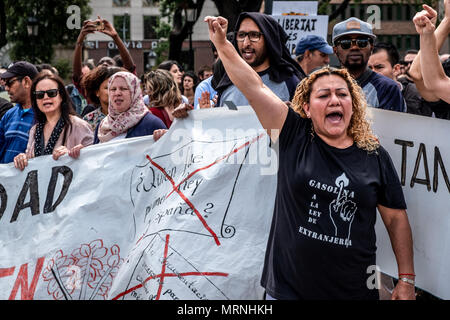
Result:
[282,66]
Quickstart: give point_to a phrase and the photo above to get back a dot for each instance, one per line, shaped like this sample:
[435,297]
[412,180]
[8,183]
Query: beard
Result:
[259,57]
[355,65]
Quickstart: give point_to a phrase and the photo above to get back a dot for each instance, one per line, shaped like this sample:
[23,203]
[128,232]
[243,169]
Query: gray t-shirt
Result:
[284,90]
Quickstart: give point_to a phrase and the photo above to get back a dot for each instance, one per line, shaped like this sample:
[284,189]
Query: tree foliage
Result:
[173,27]
[52,19]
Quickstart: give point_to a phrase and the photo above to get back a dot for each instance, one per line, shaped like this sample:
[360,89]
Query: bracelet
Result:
[407,274]
[408,280]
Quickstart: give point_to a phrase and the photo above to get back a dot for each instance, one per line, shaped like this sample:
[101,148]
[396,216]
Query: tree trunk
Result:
[3,41]
[180,30]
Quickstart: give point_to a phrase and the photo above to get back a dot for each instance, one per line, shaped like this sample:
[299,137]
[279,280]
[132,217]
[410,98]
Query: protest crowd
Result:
[295,95]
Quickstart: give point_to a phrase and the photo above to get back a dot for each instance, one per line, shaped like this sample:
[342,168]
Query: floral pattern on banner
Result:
[86,274]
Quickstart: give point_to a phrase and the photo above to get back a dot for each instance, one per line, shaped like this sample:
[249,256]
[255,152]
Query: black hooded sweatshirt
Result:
[282,66]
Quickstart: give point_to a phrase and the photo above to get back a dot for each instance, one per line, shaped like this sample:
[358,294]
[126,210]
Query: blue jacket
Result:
[14,128]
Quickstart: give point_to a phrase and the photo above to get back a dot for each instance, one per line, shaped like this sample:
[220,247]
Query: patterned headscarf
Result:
[117,123]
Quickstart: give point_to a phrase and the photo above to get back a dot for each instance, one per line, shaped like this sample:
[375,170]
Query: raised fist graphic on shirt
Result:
[342,213]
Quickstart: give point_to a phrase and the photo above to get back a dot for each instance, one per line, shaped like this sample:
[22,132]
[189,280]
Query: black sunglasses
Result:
[11,81]
[50,93]
[347,43]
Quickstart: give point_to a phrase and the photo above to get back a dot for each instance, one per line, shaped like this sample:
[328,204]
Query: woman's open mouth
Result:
[335,116]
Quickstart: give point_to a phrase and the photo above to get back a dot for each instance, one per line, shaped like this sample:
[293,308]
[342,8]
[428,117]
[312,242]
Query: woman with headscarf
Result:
[128,116]
[57,130]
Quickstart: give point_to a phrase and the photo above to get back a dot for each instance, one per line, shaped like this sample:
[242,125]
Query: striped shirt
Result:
[14,128]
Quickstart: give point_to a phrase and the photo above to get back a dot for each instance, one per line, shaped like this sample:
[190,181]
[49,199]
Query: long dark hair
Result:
[167,65]
[66,103]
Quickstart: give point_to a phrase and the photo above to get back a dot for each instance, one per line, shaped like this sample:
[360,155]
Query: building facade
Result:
[134,20]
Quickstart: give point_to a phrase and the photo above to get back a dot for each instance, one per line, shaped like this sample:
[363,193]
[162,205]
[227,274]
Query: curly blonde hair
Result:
[359,128]
[162,89]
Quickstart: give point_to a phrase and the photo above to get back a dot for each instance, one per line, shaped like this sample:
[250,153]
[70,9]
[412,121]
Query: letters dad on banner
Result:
[140,220]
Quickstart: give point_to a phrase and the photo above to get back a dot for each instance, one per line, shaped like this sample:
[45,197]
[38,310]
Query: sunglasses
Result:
[254,36]
[347,43]
[50,93]
[10,82]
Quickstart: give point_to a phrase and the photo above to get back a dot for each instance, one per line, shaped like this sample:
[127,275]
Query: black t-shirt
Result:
[322,238]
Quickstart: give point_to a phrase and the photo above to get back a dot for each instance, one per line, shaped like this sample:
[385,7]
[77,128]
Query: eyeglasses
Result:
[347,43]
[254,36]
[10,82]
[50,93]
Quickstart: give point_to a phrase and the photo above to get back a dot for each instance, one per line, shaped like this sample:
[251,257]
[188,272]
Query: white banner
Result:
[141,220]
[420,151]
[299,26]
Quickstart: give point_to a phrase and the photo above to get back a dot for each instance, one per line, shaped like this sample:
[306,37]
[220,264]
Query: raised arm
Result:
[434,78]
[127,60]
[88,27]
[270,110]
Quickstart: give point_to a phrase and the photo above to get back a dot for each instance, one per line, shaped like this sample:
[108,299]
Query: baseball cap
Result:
[21,69]
[312,42]
[352,26]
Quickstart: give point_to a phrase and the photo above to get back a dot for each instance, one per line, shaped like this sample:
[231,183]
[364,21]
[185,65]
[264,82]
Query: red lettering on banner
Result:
[6,272]
[27,293]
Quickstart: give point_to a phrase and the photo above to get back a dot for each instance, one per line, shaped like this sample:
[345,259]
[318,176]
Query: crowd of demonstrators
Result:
[429,74]
[57,130]
[353,42]
[328,129]
[314,113]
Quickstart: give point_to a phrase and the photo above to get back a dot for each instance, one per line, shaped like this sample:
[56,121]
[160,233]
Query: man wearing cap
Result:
[16,123]
[353,43]
[312,52]
[261,42]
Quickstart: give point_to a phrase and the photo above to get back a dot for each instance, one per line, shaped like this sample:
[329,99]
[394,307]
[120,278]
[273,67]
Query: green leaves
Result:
[52,24]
